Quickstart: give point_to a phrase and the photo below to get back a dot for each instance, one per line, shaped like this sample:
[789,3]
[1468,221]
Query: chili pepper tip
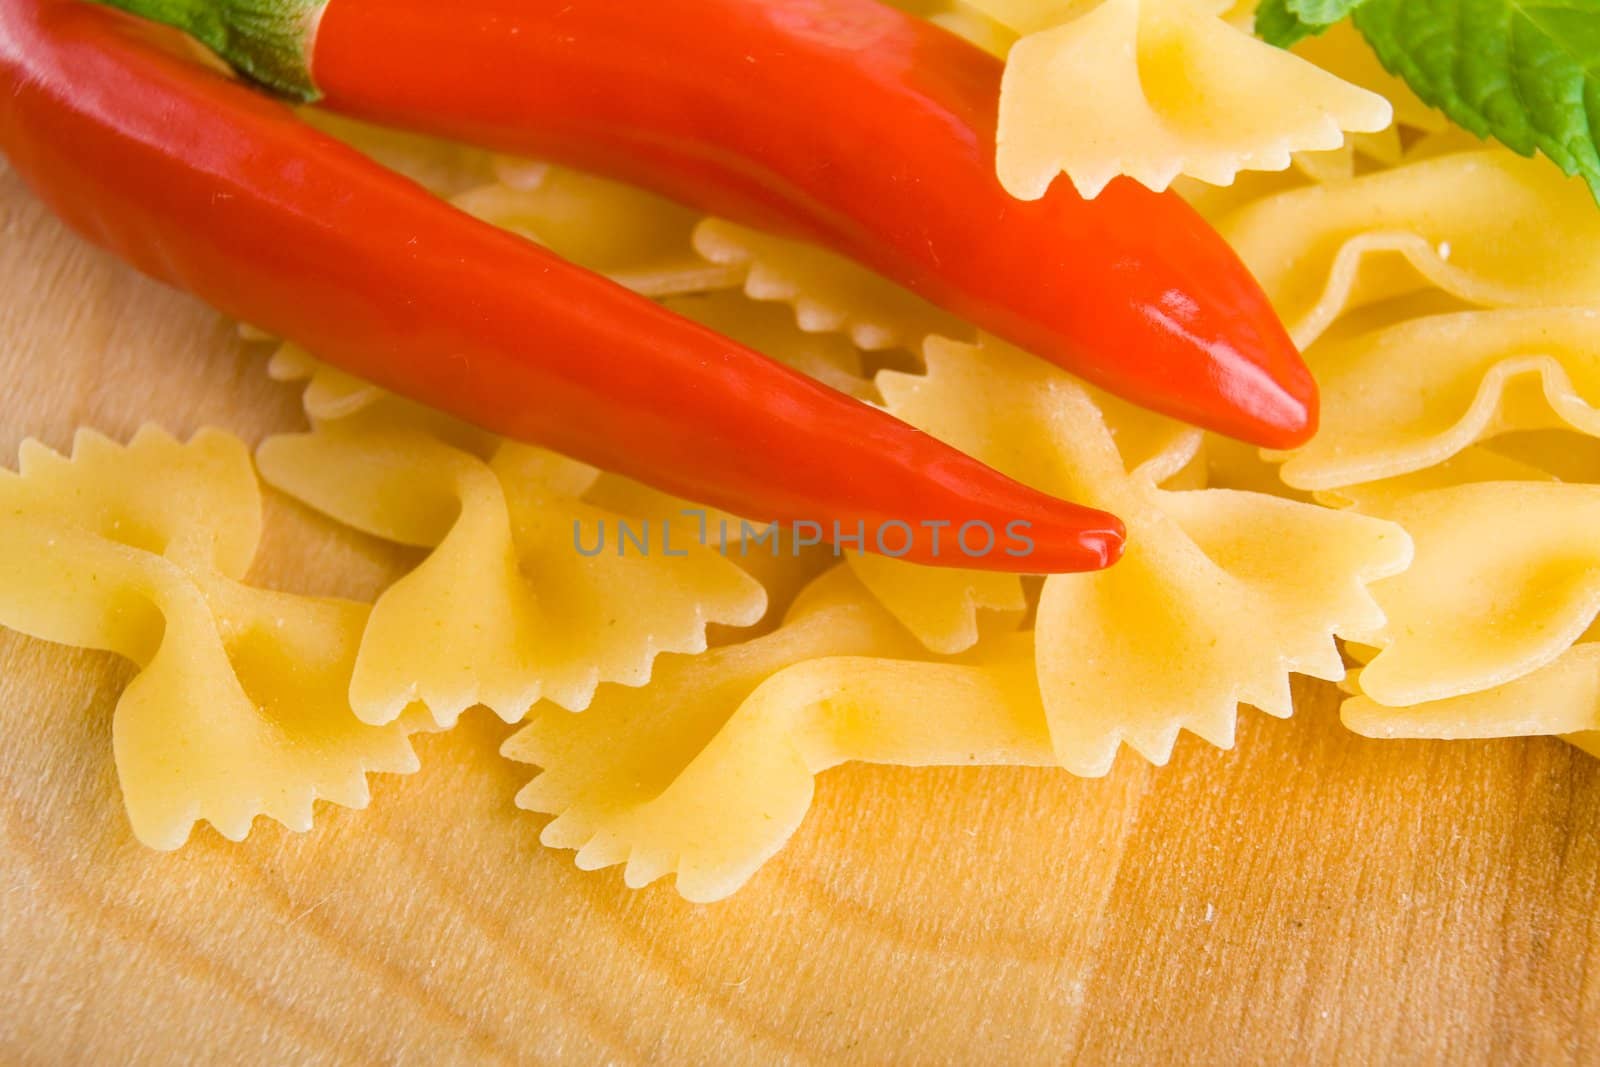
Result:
[1286,416]
[1070,538]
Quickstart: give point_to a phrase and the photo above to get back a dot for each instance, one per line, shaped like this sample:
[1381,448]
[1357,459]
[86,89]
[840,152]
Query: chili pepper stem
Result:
[267,41]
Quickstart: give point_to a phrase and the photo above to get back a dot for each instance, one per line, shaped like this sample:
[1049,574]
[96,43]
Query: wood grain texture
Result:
[1309,894]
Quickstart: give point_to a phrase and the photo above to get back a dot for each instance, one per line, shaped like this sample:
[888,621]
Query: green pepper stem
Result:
[266,41]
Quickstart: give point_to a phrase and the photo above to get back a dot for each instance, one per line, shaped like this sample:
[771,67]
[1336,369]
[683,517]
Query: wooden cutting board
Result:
[1309,894]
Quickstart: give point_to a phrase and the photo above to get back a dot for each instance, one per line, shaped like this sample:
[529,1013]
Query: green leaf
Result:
[1287,22]
[1525,72]
[1277,25]
[1322,13]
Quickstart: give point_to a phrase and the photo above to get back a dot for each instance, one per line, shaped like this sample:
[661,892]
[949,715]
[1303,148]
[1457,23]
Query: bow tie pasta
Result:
[1152,89]
[1210,605]
[947,608]
[827,292]
[1560,699]
[1406,396]
[707,771]
[1492,632]
[240,706]
[506,609]
[1487,227]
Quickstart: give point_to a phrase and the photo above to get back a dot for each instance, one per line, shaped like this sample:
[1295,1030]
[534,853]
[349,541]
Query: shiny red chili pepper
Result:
[844,122]
[202,183]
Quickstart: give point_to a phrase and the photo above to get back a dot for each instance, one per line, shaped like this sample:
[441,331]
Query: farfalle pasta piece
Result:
[1410,395]
[1231,464]
[197,504]
[1343,52]
[1560,699]
[1326,165]
[708,770]
[965,20]
[1445,141]
[1486,226]
[328,393]
[444,167]
[1562,453]
[1384,148]
[1228,594]
[1215,202]
[985,32]
[239,708]
[637,239]
[1211,605]
[1481,463]
[827,292]
[527,592]
[1506,579]
[1157,88]
[942,606]
[772,558]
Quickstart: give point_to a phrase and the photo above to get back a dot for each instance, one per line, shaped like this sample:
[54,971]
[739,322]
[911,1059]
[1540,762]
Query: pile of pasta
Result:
[674,710]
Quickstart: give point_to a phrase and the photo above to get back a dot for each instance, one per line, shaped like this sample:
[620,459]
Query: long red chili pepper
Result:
[207,185]
[844,122]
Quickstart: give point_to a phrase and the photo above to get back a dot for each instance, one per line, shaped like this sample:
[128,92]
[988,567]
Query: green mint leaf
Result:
[1277,25]
[1322,13]
[1525,72]
[1287,22]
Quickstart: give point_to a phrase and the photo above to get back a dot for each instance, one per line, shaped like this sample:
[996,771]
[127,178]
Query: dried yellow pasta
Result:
[1559,699]
[1481,463]
[987,33]
[1560,453]
[708,770]
[776,562]
[942,606]
[445,167]
[1213,603]
[1404,397]
[827,292]
[1232,464]
[945,607]
[1153,89]
[1343,52]
[964,20]
[514,603]
[1486,226]
[328,393]
[1487,637]
[1216,202]
[1506,579]
[637,239]
[240,706]
[1339,164]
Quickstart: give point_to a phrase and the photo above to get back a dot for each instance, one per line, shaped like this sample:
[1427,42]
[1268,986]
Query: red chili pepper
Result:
[204,184]
[844,122]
